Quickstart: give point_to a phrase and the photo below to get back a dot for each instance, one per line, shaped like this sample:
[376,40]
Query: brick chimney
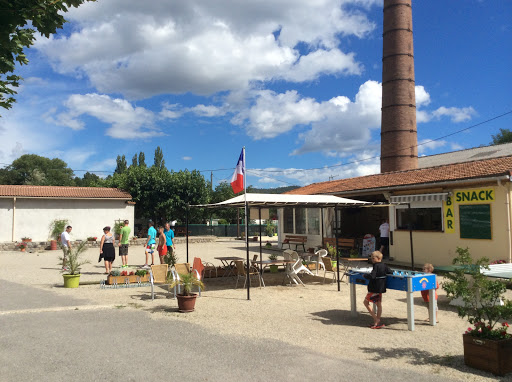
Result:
[398,126]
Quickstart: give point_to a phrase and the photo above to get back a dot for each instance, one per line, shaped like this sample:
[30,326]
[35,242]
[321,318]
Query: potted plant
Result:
[332,253]
[92,238]
[268,244]
[73,263]
[273,267]
[487,345]
[187,299]
[56,228]
[26,239]
[120,277]
[22,246]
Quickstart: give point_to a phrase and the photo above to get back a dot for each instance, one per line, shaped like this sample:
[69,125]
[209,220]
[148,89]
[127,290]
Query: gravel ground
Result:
[316,317]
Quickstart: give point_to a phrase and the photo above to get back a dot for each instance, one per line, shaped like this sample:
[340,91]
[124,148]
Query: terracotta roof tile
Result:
[457,171]
[63,192]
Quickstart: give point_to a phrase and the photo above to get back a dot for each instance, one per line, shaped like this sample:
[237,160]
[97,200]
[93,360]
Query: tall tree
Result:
[36,170]
[134,161]
[43,16]
[89,180]
[504,136]
[159,162]
[142,159]
[121,165]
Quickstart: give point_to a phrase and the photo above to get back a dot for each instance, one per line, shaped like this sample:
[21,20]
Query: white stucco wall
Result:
[33,217]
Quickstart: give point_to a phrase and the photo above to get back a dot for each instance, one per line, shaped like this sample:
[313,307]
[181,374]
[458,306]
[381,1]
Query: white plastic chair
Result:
[318,259]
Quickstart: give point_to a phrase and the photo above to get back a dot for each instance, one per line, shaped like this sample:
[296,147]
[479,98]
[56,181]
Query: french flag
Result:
[237,180]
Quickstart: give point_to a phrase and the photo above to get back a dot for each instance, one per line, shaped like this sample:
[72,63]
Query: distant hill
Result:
[277,190]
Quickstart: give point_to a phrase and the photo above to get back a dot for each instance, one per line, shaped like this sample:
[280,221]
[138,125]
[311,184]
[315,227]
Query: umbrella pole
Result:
[248,281]
[337,253]
[186,231]
[261,254]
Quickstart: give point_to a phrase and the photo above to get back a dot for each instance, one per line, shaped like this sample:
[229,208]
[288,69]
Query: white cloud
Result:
[456,114]
[186,158]
[422,96]
[125,120]
[207,111]
[427,144]
[141,49]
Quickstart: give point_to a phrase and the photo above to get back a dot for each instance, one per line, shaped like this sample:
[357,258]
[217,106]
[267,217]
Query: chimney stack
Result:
[398,125]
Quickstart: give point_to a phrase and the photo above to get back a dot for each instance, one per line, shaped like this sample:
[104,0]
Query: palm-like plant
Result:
[73,261]
[57,227]
[187,281]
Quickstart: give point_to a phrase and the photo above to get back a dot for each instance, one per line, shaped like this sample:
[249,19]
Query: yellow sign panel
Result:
[480,195]
[449,219]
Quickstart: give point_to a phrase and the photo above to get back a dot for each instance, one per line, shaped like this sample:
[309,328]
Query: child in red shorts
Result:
[429,268]
[162,247]
[376,287]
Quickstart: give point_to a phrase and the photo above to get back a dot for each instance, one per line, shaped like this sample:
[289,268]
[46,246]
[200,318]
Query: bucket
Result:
[71,281]
[53,245]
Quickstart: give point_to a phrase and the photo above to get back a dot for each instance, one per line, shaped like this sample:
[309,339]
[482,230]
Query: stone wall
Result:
[35,246]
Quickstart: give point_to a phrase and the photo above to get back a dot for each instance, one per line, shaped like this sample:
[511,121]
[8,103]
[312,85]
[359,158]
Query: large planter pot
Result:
[488,355]
[186,303]
[71,281]
[53,245]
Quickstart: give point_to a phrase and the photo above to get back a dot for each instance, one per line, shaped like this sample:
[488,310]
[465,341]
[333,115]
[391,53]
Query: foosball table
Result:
[407,281]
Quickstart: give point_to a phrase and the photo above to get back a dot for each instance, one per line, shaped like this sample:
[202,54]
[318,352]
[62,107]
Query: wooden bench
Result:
[343,243]
[295,239]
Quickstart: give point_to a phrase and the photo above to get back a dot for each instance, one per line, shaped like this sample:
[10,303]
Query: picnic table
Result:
[228,264]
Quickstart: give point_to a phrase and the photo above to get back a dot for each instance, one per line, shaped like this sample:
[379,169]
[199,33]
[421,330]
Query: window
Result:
[300,221]
[475,221]
[288,219]
[421,219]
[313,221]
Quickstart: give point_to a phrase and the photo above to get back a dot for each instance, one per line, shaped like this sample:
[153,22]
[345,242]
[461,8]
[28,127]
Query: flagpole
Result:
[248,281]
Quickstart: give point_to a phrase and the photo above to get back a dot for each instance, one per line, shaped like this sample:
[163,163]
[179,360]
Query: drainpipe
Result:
[509,239]
[13,215]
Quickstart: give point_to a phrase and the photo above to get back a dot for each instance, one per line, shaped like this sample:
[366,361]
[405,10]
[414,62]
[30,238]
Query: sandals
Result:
[379,326]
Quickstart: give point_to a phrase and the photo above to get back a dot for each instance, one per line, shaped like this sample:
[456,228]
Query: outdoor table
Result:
[228,264]
[264,263]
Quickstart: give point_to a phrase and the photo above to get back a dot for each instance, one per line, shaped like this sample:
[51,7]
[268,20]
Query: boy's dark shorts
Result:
[169,250]
[373,297]
[384,241]
[123,250]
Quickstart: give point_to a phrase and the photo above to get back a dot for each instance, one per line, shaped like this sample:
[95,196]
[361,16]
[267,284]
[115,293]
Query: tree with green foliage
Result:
[159,158]
[142,159]
[504,136]
[89,180]
[134,161]
[39,171]
[43,16]
[121,165]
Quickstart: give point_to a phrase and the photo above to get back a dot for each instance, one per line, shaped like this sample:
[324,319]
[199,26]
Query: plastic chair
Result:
[202,267]
[242,272]
[319,255]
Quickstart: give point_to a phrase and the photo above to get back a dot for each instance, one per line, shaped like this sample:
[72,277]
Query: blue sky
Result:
[295,81]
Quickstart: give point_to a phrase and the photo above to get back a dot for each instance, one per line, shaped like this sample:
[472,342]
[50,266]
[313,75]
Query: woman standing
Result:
[107,250]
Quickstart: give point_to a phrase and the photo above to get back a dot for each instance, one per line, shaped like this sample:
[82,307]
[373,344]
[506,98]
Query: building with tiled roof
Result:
[464,204]
[28,211]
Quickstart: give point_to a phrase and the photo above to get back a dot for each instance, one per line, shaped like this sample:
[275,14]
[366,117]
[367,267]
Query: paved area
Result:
[82,342]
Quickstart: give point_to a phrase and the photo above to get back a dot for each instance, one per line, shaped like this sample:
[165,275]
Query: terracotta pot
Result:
[488,355]
[186,303]
[22,249]
[26,240]
[53,245]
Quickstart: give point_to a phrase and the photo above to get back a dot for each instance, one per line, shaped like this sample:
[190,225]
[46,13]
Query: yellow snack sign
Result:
[474,196]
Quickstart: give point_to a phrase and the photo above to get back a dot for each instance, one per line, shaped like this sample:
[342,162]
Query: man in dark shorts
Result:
[124,240]
[384,238]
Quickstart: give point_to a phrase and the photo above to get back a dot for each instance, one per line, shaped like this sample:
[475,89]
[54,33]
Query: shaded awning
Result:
[441,196]
[285,200]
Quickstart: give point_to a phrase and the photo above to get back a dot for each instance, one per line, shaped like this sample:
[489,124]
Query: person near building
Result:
[124,240]
[65,240]
[150,245]
[169,236]
[107,249]
[384,238]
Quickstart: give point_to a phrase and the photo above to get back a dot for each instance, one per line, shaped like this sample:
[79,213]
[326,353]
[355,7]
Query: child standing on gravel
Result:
[429,268]
[162,247]
[376,287]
